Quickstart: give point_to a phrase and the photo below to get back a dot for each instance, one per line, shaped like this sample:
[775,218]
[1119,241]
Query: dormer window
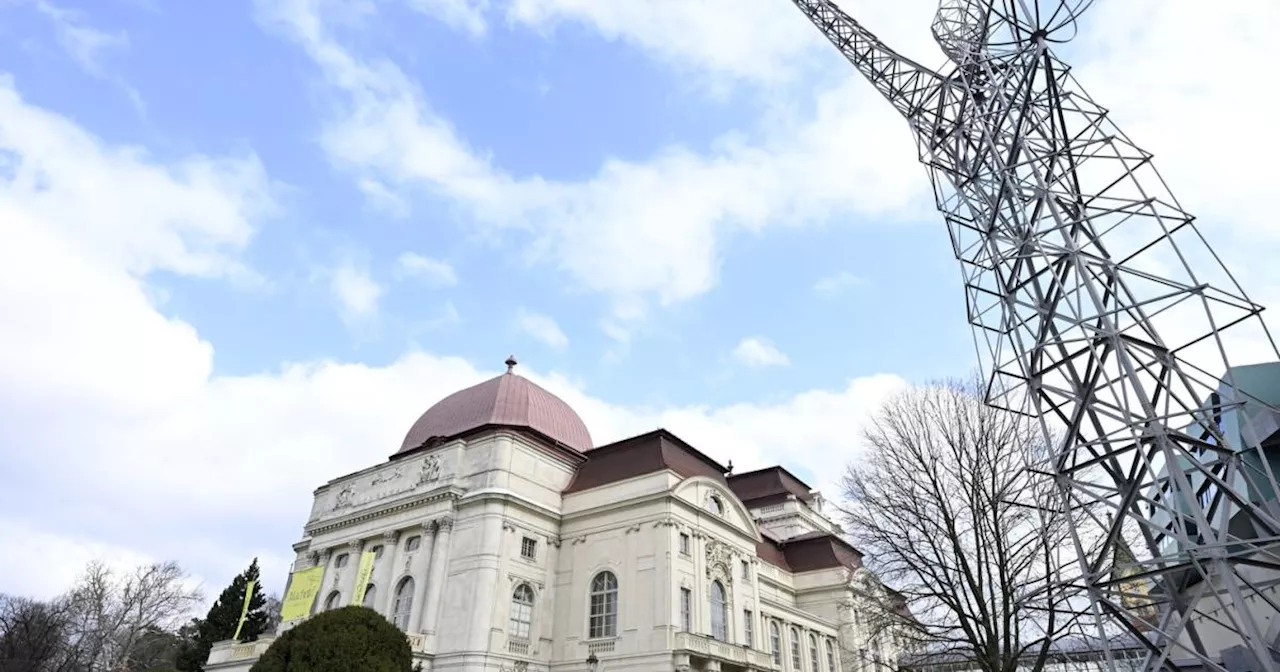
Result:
[717,505]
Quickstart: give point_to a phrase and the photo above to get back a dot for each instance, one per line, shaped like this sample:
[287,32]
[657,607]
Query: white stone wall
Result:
[471,505]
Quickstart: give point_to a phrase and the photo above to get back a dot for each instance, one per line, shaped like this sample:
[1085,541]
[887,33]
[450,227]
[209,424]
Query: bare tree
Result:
[114,620]
[945,509]
[32,634]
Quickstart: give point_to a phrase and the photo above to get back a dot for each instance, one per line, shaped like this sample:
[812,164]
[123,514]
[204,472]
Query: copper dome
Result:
[508,400]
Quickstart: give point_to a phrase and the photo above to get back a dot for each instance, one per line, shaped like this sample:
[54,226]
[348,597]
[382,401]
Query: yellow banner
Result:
[363,574]
[304,585]
[244,611]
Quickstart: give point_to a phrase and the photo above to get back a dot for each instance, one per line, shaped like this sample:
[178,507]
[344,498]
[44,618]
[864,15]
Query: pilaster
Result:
[435,584]
[422,563]
[382,573]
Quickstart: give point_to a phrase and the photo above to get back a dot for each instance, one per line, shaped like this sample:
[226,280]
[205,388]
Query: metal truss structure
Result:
[1100,310]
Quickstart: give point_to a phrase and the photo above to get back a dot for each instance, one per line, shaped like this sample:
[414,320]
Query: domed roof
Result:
[507,400]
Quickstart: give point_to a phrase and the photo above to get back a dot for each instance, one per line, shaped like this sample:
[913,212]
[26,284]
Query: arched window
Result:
[813,653]
[331,602]
[341,561]
[603,616]
[719,611]
[369,593]
[797,659]
[412,543]
[403,604]
[775,643]
[831,657]
[521,611]
[717,505]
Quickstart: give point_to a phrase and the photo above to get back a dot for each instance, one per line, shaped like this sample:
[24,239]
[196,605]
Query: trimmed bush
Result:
[350,639]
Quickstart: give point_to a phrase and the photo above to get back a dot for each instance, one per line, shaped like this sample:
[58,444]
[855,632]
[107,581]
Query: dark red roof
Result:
[639,455]
[808,552]
[767,486]
[508,400]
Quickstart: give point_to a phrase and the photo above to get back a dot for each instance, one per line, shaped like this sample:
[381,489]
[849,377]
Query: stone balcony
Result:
[720,654]
[233,656]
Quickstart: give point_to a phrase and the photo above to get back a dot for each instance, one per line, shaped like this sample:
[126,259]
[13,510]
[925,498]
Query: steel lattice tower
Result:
[1100,310]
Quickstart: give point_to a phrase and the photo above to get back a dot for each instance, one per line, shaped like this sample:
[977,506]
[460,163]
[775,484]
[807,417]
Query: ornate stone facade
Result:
[667,566]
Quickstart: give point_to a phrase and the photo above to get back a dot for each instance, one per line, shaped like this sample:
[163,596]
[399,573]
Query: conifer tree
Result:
[220,623]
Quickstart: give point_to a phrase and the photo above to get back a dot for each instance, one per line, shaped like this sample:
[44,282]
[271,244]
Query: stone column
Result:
[544,614]
[435,584]
[322,558]
[354,549]
[421,565]
[383,576]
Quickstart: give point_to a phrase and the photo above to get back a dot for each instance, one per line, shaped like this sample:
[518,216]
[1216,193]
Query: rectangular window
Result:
[686,609]
[529,548]
[748,629]
[746,570]
[684,543]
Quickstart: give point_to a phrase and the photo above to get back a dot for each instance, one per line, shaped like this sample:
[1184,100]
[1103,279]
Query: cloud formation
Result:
[757,352]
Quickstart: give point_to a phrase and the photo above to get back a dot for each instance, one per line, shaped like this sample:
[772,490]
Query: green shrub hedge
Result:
[350,639]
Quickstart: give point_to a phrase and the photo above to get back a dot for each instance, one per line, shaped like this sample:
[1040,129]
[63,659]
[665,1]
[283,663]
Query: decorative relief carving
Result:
[315,558]
[388,476]
[719,561]
[357,546]
[390,538]
[506,525]
[445,523]
[633,528]
[668,521]
[430,472]
[345,498]
[552,541]
[580,540]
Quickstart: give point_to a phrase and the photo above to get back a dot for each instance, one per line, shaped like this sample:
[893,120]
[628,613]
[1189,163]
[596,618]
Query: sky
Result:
[247,243]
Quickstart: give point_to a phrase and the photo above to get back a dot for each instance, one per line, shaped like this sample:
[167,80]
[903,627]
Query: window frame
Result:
[370,595]
[396,602]
[602,623]
[815,661]
[531,545]
[685,544]
[719,600]
[775,642]
[831,656]
[333,600]
[413,543]
[520,608]
[340,561]
[748,629]
[797,654]
[686,609]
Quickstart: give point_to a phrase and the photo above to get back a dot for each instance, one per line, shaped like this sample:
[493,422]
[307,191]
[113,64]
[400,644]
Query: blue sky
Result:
[258,238]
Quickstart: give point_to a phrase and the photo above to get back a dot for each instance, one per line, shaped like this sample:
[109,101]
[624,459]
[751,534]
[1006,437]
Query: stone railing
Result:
[231,650]
[706,647]
[417,642]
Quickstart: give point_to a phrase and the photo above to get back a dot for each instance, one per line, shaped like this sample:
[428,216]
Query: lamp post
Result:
[593,663]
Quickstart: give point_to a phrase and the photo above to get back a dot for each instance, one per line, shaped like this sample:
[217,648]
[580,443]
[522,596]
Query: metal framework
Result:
[1099,309]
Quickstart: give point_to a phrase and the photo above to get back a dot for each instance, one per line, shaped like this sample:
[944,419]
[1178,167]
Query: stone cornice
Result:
[451,493]
[509,497]
[800,617]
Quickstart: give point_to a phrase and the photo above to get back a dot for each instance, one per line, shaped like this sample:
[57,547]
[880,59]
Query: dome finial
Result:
[511,363]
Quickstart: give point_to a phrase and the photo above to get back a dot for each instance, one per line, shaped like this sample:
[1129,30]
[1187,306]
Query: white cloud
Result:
[433,271]
[834,285]
[542,328]
[638,232]
[357,293]
[382,198]
[757,352]
[87,45]
[464,15]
